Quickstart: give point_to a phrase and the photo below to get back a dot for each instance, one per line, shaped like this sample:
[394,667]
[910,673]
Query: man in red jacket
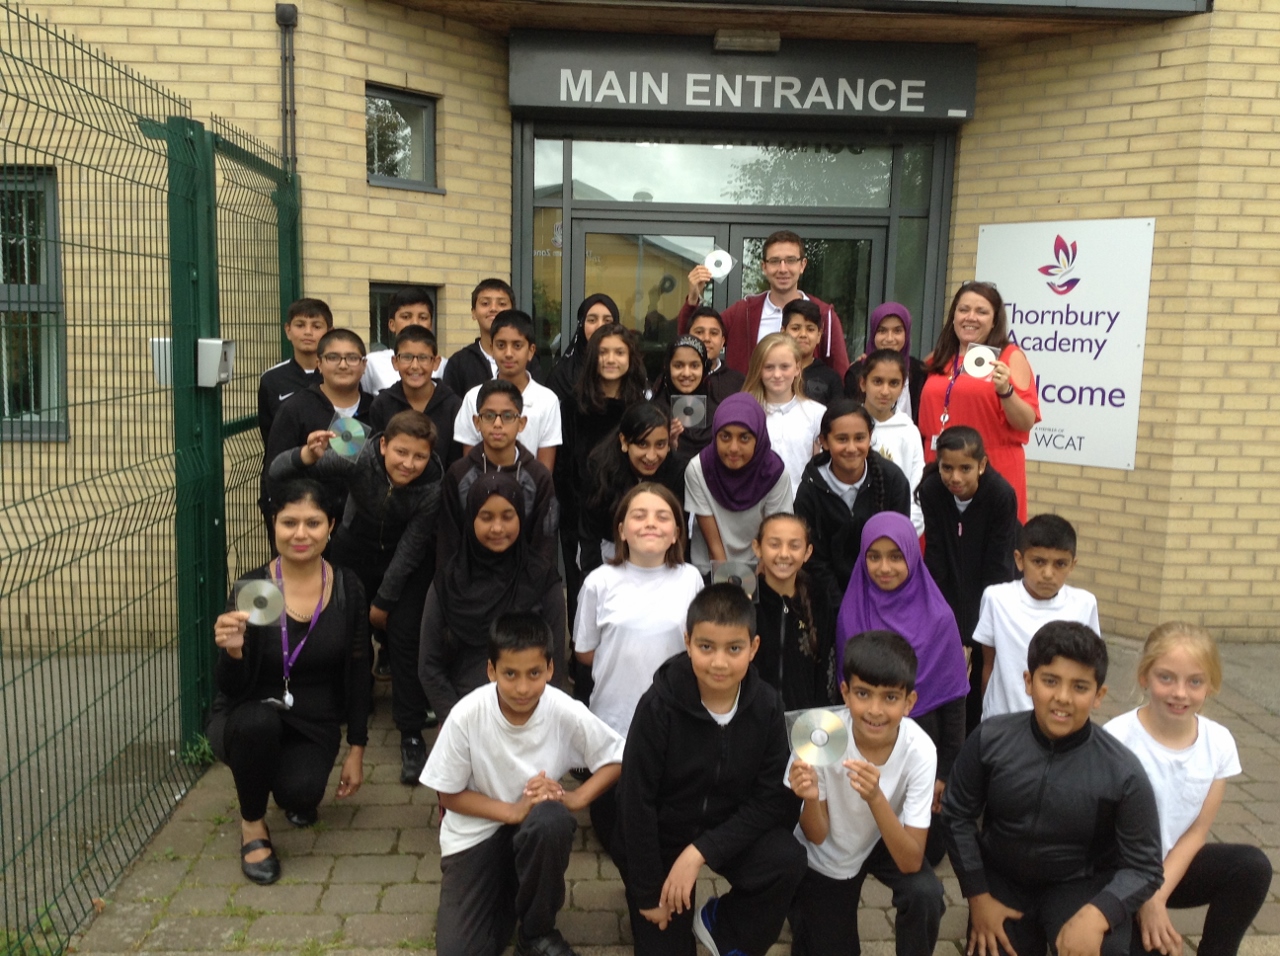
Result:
[749,320]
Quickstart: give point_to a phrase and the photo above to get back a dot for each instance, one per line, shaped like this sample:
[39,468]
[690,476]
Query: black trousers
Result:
[516,874]
[1233,880]
[1046,908]
[749,917]
[824,916]
[268,757]
[404,632]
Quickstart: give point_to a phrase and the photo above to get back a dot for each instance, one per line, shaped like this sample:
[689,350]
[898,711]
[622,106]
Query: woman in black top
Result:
[285,686]
[970,530]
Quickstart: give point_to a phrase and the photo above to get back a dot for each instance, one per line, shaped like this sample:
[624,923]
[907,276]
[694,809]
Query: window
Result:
[32,346]
[380,295]
[400,139]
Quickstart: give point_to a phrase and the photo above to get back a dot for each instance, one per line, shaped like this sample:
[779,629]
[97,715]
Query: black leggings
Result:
[1233,879]
[267,756]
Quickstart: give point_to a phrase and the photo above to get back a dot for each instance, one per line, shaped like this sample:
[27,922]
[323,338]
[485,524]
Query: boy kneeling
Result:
[870,812]
[703,782]
[508,827]
[1069,846]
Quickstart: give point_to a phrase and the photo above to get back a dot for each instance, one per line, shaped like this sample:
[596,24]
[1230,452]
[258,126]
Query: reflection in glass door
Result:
[644,267]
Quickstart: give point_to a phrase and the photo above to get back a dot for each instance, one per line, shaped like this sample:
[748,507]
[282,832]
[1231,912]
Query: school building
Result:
[608,145]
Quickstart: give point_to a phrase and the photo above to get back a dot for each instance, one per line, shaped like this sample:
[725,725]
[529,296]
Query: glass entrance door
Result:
[645,265]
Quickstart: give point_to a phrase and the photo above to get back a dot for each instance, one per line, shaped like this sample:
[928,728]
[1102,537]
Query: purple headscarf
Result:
[883,312]
[916,610]
[745,487]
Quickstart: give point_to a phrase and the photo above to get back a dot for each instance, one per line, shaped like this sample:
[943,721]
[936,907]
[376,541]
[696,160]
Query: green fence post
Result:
[289,223]
[200,529]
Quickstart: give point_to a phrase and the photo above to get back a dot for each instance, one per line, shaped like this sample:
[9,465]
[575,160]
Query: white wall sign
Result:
[1076,294]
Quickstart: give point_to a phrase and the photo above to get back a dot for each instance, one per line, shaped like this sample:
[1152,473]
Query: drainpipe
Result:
[287,20]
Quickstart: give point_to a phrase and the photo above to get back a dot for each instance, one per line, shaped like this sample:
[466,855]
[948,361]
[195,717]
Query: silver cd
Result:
[978,361]
[734,572]
[719,263]
[689,410]
[819,737]
[261,599]
[349,436]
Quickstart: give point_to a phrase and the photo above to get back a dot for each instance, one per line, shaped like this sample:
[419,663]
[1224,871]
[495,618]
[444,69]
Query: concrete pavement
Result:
[365,881]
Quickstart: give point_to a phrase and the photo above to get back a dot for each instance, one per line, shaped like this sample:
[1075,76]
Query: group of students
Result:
[498,536]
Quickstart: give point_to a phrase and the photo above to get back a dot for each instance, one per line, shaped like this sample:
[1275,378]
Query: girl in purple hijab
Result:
[733,483]
[889,327]
[891,589]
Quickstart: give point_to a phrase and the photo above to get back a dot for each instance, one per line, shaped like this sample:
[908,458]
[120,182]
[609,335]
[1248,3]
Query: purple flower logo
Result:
[1060,270]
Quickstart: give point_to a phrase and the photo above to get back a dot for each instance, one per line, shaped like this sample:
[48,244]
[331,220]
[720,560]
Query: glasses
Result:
[776,261]
[343,358]
[489,416]
[968,282]
[406,359]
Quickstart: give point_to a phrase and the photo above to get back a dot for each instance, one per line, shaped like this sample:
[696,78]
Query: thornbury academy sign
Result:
[568,73]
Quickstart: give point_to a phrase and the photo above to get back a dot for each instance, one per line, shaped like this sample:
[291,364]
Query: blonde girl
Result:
[775,379]
[1188,758]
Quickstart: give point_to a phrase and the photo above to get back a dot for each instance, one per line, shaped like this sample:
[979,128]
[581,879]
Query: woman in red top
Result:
[1002,408]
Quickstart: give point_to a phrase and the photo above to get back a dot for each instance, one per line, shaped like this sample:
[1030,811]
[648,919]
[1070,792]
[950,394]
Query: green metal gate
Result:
[127,231]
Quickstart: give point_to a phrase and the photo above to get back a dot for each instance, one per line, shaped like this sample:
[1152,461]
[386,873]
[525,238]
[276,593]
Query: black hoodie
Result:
[688,780]
[305,412]
[384,528]
[835,530]
[967,552]
[442,409]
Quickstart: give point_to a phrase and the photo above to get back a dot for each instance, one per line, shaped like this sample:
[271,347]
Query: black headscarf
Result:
[478,585]
[565,374]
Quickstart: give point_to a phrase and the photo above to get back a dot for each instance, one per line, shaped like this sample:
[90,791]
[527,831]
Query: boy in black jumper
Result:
[1069,846]
[415,360]
[703,782]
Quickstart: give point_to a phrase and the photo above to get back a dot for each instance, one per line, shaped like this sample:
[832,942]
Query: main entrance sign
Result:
[569,73]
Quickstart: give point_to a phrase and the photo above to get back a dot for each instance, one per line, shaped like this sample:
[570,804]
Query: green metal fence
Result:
[127,231]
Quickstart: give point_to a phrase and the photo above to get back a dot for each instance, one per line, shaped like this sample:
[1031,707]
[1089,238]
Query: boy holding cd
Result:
[868,812]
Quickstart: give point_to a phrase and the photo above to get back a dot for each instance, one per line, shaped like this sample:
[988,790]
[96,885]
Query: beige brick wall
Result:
[1176,120]
[224,56]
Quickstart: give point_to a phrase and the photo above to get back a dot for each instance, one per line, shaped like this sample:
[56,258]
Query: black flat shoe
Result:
[264,872]
[413,757]
[302,819]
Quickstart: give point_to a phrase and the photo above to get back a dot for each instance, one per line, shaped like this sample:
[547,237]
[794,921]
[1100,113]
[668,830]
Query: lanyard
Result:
[291,659]
[946,399]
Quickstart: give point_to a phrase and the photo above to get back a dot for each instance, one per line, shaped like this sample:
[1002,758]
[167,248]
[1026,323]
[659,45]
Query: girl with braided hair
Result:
[796,648]
[840,490]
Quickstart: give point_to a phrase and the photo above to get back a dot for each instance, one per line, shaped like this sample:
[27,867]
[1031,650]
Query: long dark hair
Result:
[959,438]
[803,594]
[587,389]
[948,347]
[847,406]
[610,465]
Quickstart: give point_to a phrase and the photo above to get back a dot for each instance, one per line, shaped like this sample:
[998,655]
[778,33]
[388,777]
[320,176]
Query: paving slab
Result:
[365,880]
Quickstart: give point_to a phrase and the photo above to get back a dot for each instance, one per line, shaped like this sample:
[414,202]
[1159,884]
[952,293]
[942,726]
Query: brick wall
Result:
[1176,120]
[224,56]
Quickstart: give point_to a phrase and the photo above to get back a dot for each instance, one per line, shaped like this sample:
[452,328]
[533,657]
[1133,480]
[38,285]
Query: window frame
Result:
[429,146]
[377,323]
[45,299]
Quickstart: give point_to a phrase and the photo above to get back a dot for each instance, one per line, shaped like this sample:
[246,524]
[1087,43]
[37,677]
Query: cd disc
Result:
[261,599]
[349,436]
[719,263]
[689,410]
[978,361]
[734,572]
[819,738]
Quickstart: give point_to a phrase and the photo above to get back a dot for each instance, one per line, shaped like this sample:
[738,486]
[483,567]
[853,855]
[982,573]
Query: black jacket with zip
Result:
[787,660]
[688,780]
[1053,811]
[968,551]
[306,411]
[383,527]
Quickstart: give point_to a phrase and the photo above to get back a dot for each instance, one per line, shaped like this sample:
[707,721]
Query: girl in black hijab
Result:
[495,571]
